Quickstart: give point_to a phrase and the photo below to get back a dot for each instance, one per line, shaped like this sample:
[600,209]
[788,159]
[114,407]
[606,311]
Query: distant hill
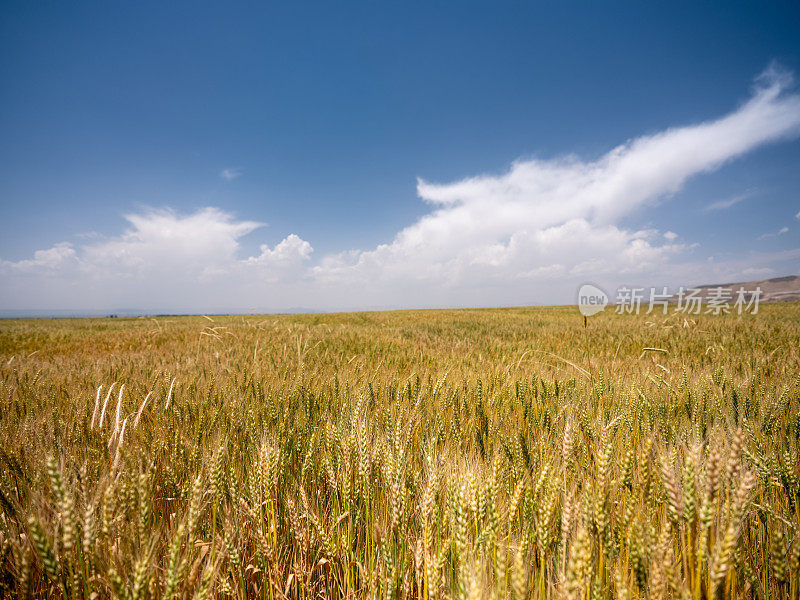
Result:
[778,289]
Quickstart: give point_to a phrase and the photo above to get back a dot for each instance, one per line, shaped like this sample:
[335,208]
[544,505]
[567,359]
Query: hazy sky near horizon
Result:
[198,157]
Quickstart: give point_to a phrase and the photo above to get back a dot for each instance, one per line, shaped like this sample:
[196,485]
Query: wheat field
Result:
[464,454]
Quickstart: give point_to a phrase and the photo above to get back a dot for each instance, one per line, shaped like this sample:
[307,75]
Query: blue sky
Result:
[199,157]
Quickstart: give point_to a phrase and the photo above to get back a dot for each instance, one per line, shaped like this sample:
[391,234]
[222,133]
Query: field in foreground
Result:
[433,454]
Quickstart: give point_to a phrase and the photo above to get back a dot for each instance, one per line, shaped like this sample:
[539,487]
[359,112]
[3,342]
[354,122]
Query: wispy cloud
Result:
[529,234]
[726,204]
[231,173]
[781,231]
[557,221]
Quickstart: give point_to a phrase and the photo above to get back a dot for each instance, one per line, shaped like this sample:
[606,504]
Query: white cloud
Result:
[485,231]
[797,216]
[726,204]
[530,234]
[43,260]
[163,240]
[781,231]
[231,173]
[764,272]
[164,259]
[728,269]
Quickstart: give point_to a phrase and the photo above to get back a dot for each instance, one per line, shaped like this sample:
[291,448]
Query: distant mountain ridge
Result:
[777,289]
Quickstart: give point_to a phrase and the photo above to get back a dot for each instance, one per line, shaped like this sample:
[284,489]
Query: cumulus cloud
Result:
[43,260]
[529,234]
[161,240]
[162,259]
